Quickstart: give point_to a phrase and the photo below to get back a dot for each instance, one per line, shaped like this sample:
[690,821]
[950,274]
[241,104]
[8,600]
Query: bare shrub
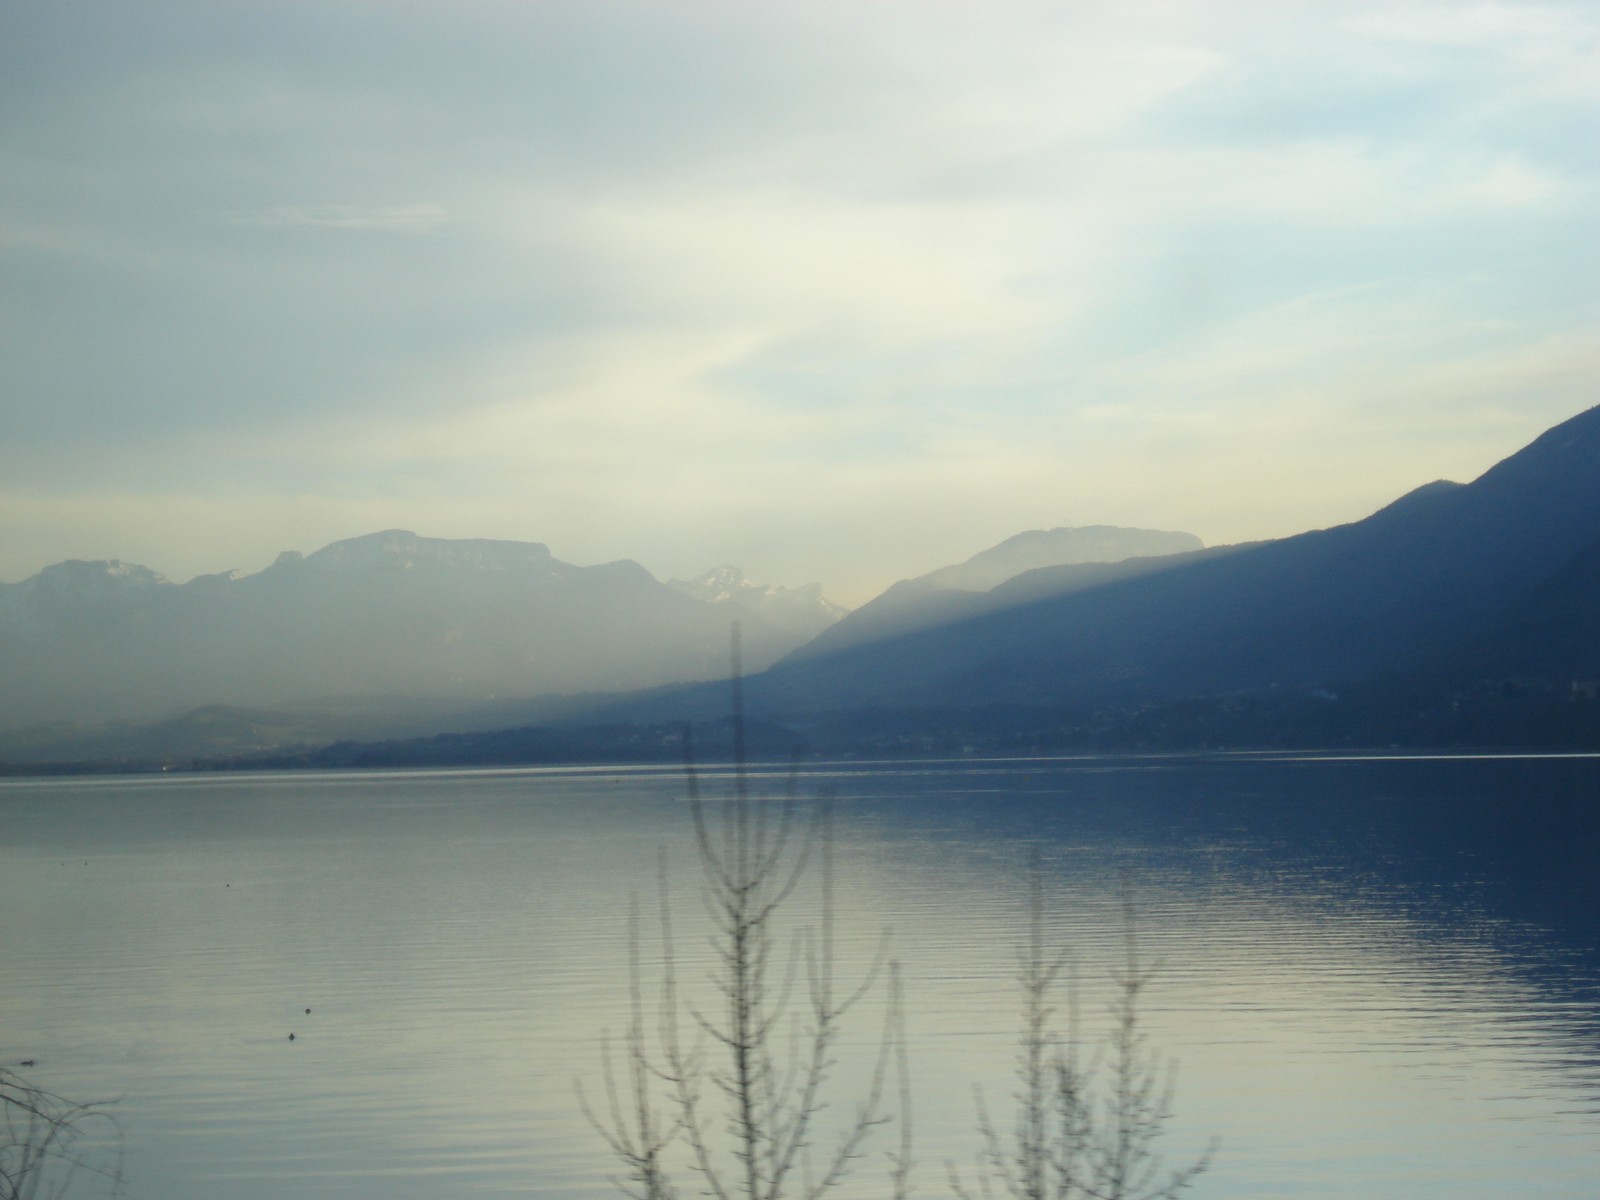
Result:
[47,1145]
[1086,1127]
[732,1093]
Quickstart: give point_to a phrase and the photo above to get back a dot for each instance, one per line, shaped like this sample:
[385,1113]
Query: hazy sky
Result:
[840,290]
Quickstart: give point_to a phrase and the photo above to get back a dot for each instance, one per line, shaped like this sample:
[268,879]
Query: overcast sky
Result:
[840,290]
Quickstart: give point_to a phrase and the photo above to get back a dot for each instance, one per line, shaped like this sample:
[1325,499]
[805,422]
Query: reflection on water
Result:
[1378,978]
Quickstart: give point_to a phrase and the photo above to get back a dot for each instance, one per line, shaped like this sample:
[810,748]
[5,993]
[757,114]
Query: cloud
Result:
[1494,25]
[392,218]
[1543,53]
[886,274]
[850,290]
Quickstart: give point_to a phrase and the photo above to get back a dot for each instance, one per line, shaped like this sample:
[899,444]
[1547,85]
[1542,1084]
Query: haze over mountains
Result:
[387,615]
[803,611]
[1037,562]
[1458,613]
[393,633]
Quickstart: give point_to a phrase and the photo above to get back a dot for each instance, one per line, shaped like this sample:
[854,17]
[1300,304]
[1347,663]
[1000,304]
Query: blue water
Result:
[1377,977]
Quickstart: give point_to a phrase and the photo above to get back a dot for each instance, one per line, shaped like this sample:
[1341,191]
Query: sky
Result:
[838,291]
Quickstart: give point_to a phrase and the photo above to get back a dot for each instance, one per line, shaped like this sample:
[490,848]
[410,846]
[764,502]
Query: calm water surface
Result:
[1378,978]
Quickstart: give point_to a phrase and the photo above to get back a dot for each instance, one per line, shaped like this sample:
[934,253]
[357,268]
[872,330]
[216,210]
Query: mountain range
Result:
[391,635]
[1459,614]
[1452,593]
[388,615]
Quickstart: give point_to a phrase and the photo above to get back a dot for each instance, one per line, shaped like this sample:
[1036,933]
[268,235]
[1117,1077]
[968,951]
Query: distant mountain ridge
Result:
[1030,564]
[803,611]
[402,550]
[389,613]
[1038,548]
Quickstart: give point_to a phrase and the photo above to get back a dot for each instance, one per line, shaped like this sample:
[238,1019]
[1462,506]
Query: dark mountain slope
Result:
[1439,571]
[1550,633]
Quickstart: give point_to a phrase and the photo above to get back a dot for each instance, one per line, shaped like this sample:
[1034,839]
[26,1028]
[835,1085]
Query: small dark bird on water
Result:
[291,1037]
[27,1062]
[308,1012]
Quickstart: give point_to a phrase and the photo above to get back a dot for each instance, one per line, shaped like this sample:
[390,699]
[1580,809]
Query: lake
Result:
[1377,977]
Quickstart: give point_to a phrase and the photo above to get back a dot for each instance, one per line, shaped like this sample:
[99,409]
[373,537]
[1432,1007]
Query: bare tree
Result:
[1084,1130]
[46,1144]
[734,1091]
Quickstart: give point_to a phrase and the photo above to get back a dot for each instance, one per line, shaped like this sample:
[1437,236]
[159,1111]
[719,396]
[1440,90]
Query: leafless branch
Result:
[746,1098]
